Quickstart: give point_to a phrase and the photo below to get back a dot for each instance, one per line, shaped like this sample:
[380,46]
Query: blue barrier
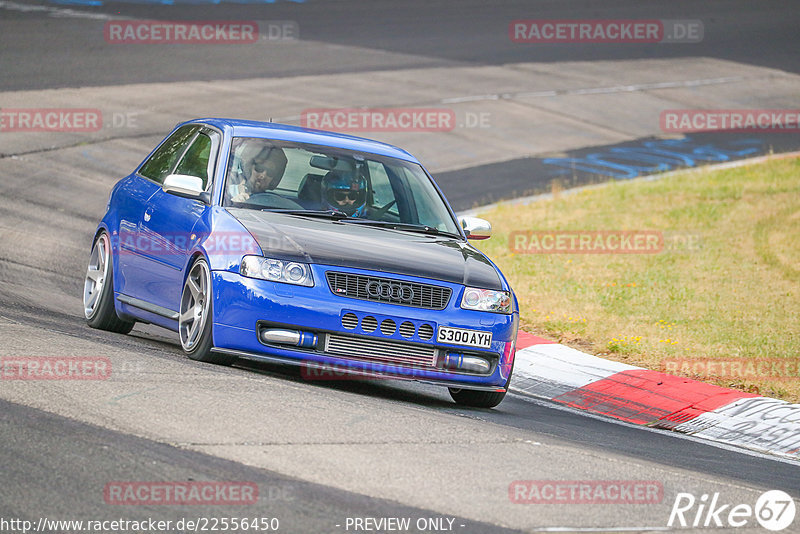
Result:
[167,2]
[654,156]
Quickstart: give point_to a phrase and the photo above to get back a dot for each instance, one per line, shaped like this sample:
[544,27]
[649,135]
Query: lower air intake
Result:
[390,352]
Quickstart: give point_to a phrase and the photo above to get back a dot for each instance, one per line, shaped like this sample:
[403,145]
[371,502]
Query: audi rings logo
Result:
[389,291]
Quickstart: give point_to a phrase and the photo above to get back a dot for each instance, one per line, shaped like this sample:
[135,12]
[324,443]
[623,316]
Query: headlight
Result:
[486,300]
[289,272]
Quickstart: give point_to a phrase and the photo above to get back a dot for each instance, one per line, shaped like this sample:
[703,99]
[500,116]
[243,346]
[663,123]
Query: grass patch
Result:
[725,287]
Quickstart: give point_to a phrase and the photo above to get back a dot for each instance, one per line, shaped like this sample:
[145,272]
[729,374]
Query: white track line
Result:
[598,90]
[59,12]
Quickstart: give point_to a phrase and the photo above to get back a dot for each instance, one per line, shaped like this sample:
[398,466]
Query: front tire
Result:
[479,399]
[195,318]
[98,290]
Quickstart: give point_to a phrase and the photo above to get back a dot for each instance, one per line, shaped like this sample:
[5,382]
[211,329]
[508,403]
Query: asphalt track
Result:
[45,52]
[319,451]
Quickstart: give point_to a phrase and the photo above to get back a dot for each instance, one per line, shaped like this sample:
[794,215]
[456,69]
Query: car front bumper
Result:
[334,346]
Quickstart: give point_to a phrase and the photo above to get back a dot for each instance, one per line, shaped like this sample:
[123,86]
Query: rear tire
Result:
[98,290]
[196,316]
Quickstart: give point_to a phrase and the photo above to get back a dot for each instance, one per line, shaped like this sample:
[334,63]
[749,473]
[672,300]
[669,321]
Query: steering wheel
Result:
[270,199]
[380,212]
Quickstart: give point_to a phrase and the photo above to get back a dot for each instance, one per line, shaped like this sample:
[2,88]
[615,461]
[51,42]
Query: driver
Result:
[345,192]
[261,170]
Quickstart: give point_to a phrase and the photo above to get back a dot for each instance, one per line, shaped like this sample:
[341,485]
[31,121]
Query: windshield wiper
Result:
[324,214]
[409,227]
[343,217]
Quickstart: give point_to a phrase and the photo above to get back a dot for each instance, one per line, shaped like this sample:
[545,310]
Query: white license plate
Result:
[460,336]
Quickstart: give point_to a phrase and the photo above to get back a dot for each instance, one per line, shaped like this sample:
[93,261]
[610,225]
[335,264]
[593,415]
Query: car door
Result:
[169,219]
[135,193]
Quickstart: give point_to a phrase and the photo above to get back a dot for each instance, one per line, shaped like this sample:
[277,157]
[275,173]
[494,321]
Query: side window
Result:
[195,162]
[163,160]
[382,193]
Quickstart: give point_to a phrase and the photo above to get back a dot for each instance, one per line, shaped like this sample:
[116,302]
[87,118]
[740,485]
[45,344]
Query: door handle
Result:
[147,214]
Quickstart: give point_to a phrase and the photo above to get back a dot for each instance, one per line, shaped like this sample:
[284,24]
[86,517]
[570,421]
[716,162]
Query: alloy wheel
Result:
[195,304]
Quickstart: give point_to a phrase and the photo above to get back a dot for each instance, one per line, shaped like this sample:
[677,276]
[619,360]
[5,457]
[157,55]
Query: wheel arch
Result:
[193,257]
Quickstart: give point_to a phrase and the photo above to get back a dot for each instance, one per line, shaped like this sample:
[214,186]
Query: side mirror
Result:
[185,186]
[476,228]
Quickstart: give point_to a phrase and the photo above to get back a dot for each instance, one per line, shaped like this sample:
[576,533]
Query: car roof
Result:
[285,132]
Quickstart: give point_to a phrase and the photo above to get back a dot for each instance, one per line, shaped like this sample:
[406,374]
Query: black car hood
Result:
[344,244]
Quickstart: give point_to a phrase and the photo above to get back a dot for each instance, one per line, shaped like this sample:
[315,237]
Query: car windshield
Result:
[283,176]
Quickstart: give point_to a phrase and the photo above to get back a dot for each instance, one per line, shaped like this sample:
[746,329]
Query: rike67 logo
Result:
[774,510]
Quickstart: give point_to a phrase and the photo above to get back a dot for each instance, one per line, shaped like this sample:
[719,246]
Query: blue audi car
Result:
[283,244]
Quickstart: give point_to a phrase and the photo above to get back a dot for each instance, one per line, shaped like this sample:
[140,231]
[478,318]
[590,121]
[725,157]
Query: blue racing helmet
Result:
[345,192]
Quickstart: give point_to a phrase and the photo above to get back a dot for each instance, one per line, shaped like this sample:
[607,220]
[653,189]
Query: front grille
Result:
[371,349]
[388,290]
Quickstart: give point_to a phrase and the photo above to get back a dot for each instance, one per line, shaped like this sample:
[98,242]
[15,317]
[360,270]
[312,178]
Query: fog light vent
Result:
[425,332]
[407,329]
[349,321]
[369,323]
[388,327]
